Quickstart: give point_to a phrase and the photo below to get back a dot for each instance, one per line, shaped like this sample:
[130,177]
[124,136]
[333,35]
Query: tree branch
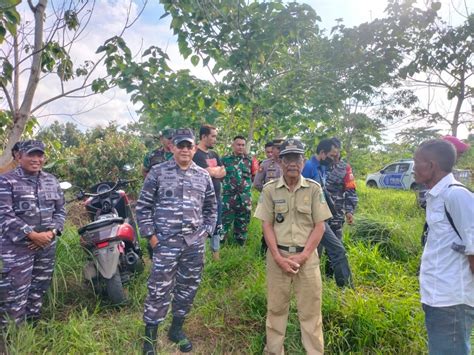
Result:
[9,99]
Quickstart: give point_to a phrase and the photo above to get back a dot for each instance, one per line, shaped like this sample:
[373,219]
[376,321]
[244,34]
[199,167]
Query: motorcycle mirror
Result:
[65,185]
[80,195]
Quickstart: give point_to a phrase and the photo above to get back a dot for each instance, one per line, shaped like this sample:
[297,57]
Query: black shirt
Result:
[209,159]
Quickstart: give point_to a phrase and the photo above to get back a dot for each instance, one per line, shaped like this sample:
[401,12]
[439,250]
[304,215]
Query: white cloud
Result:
[107,21]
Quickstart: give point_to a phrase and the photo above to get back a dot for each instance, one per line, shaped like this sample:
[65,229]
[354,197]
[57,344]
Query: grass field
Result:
[382,315]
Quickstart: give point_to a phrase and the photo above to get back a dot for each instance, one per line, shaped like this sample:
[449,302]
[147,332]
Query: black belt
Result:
[291,249]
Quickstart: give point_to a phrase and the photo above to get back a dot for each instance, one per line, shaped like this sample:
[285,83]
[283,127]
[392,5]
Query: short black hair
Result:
[205,130]
[325,146]
[16,148]
[337,142]
[268,145]
[441,151]
[239,137]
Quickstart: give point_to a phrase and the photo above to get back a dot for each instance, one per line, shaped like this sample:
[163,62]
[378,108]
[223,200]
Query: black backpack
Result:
[424,235]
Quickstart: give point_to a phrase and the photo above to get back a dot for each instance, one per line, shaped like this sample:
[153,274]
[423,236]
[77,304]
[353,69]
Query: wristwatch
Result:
[27,230]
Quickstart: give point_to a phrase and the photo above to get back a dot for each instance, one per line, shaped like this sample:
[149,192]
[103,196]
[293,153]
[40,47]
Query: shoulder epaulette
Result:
[271,182]
[313,181]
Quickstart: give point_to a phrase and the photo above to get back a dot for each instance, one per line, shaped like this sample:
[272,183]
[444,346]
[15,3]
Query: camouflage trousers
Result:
[336,225]
[177,270]
[236,210]
[24,280]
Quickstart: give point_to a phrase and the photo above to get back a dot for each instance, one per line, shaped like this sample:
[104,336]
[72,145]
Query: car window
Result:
[403,168]
[390,169]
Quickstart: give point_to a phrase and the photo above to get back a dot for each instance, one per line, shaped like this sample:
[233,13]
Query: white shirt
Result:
[445,276]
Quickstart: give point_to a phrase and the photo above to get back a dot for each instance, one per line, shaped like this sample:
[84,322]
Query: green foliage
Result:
[9,18]
[100,155]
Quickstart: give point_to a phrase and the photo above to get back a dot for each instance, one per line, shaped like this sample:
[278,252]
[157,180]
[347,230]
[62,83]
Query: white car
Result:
[397,175]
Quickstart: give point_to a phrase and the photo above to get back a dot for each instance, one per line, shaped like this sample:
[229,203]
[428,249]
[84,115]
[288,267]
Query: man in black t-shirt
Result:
[209,160]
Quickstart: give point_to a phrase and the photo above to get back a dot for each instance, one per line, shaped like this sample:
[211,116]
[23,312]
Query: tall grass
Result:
[382,315]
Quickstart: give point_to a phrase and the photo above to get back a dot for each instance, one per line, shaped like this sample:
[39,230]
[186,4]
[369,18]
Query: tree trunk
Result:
[20,117]
[457,110]
[253,118]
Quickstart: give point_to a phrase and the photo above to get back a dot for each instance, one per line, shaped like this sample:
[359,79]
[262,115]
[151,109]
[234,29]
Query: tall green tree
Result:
[39,49]
[249,44]
[437,56]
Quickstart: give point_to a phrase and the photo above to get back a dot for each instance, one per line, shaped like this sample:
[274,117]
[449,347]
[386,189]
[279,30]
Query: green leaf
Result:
[13,16]
[11,28]
[195,60]
[164,15]
[3,32]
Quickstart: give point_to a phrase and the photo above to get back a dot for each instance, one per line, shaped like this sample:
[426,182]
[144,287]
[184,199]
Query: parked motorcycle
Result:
[110,240]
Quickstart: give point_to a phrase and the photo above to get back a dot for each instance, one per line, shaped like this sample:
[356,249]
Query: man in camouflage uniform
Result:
[316,169]
[236,197]
[176,212]
[161,154]
[31,217]
[341,186]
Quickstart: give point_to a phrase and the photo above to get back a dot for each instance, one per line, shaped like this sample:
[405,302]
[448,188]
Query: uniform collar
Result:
[172,165]
[20,172]
[282,183]
[442,184]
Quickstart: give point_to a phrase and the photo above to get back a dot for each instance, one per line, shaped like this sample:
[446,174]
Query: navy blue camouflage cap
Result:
[291,146]
[30,146]
[183,134]
[167,133]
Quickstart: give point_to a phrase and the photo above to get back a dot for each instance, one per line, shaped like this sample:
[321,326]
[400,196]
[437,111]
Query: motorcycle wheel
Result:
[114,289]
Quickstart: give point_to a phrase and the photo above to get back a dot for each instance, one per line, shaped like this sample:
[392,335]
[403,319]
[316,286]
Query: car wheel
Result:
[372,184]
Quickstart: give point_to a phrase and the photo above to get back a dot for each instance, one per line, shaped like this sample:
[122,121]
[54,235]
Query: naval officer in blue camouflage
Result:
[176,211]
[31,217]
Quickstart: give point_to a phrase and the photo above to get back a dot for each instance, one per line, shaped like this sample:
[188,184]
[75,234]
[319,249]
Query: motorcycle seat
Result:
[99,224]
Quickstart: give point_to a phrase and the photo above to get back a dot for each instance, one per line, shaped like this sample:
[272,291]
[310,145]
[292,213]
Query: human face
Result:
[269,152]
[292,164]
[327,158]
[238,146]
[183,153]
[423,168]
[33,162]
[276,152]
[166,143]
[211,139]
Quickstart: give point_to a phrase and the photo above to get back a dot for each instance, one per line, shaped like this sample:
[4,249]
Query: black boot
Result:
[176,335]
[150,339]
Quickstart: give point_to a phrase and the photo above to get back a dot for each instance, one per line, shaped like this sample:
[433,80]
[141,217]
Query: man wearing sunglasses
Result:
[293,210]
[176,212]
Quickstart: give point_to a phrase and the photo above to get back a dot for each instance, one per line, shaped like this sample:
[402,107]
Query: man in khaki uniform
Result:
[293,211]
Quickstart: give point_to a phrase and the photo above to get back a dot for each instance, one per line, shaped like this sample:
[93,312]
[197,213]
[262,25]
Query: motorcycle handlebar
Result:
[81,194]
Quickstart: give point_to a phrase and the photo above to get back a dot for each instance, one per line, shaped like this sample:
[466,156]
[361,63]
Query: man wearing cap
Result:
[293,211]
[176,212]
[236,197]
[31,217]
[161,154]
[14,163]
